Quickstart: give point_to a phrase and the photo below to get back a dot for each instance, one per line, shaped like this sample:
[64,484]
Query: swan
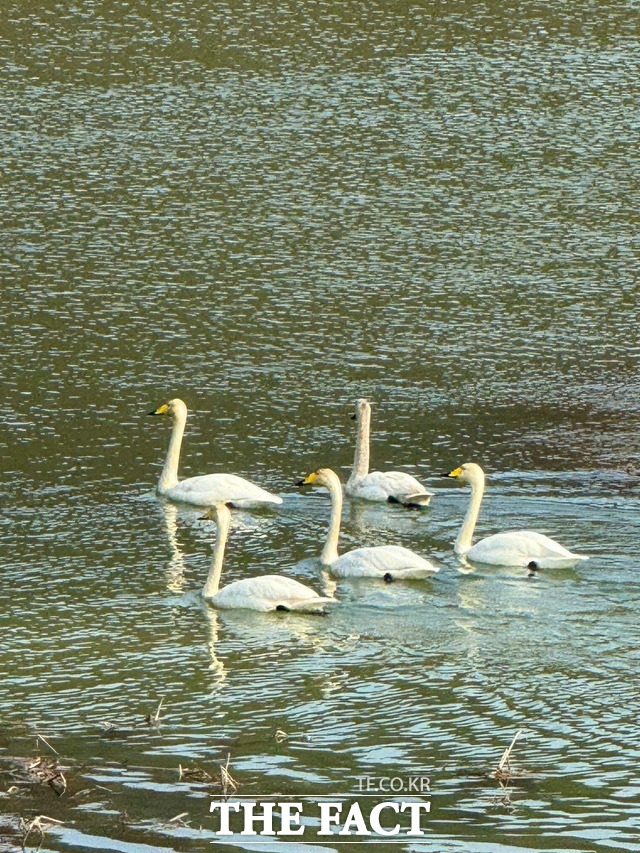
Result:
[514,548]
[269,592]
[389,562]
[209,488]
[392,486]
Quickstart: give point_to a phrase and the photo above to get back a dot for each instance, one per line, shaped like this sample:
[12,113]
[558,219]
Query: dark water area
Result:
[270,210]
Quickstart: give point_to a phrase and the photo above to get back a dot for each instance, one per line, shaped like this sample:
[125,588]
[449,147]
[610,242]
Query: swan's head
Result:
[174,408]
[322,477]
[363,409]
[468,473]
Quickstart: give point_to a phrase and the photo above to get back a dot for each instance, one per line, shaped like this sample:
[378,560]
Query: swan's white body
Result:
[393,486]
[514,548]
[391,561]
[207,489]
[268,592]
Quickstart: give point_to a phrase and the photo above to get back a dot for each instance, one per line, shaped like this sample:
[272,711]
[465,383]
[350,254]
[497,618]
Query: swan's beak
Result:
[455,473]
[161,410]
[307,480]
[353,417]
[208,516]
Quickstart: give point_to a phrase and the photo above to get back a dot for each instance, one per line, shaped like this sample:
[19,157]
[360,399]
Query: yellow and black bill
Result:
[161,410]
[307,481]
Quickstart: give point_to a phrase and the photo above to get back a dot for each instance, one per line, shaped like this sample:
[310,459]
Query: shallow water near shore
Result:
[269,213]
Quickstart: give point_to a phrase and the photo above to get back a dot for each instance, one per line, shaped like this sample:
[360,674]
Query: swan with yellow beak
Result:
[513,548]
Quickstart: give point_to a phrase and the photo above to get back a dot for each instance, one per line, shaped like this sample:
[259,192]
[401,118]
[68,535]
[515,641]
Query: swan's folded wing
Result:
[381,560]
[209,489]
[519,548]
[395,485]
[270,592]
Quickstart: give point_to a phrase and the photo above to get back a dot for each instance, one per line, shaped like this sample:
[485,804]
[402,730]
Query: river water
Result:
[269,210]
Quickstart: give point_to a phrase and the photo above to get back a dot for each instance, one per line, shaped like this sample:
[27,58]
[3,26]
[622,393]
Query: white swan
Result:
[392,486]
[209,488]
[269,592]
[515,548]
[389,562]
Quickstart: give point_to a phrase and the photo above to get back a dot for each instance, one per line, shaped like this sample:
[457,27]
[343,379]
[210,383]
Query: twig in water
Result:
[156,717]
[503,771]
[36,824]
[178,819]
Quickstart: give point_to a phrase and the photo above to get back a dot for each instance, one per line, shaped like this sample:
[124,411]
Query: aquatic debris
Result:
[194,774]
[124,728]
[281,736]
[198,774]
[45,771]
[179,819]
[39,824]
[503,772]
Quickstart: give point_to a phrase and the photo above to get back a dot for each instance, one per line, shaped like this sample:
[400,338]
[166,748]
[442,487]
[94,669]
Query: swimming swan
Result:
[209,488]
[515,548]
[389,562]
[392,486]
[268,592]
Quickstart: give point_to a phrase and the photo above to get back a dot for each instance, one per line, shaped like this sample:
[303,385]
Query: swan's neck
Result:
[169,476]
[361,455]
[464,540]
[212,584]
[330,551]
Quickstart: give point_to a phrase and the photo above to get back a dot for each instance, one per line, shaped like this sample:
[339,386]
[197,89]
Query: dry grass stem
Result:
[229,784]
[46,743]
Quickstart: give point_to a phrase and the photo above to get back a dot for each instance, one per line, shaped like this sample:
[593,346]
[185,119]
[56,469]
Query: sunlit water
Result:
[269,211]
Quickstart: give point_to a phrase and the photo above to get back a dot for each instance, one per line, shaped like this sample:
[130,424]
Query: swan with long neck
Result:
[392,486]
[207,489]
[268,592]
[513,548]
[389,562]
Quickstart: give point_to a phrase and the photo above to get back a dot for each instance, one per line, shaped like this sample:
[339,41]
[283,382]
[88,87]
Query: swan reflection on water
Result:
[175,568]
